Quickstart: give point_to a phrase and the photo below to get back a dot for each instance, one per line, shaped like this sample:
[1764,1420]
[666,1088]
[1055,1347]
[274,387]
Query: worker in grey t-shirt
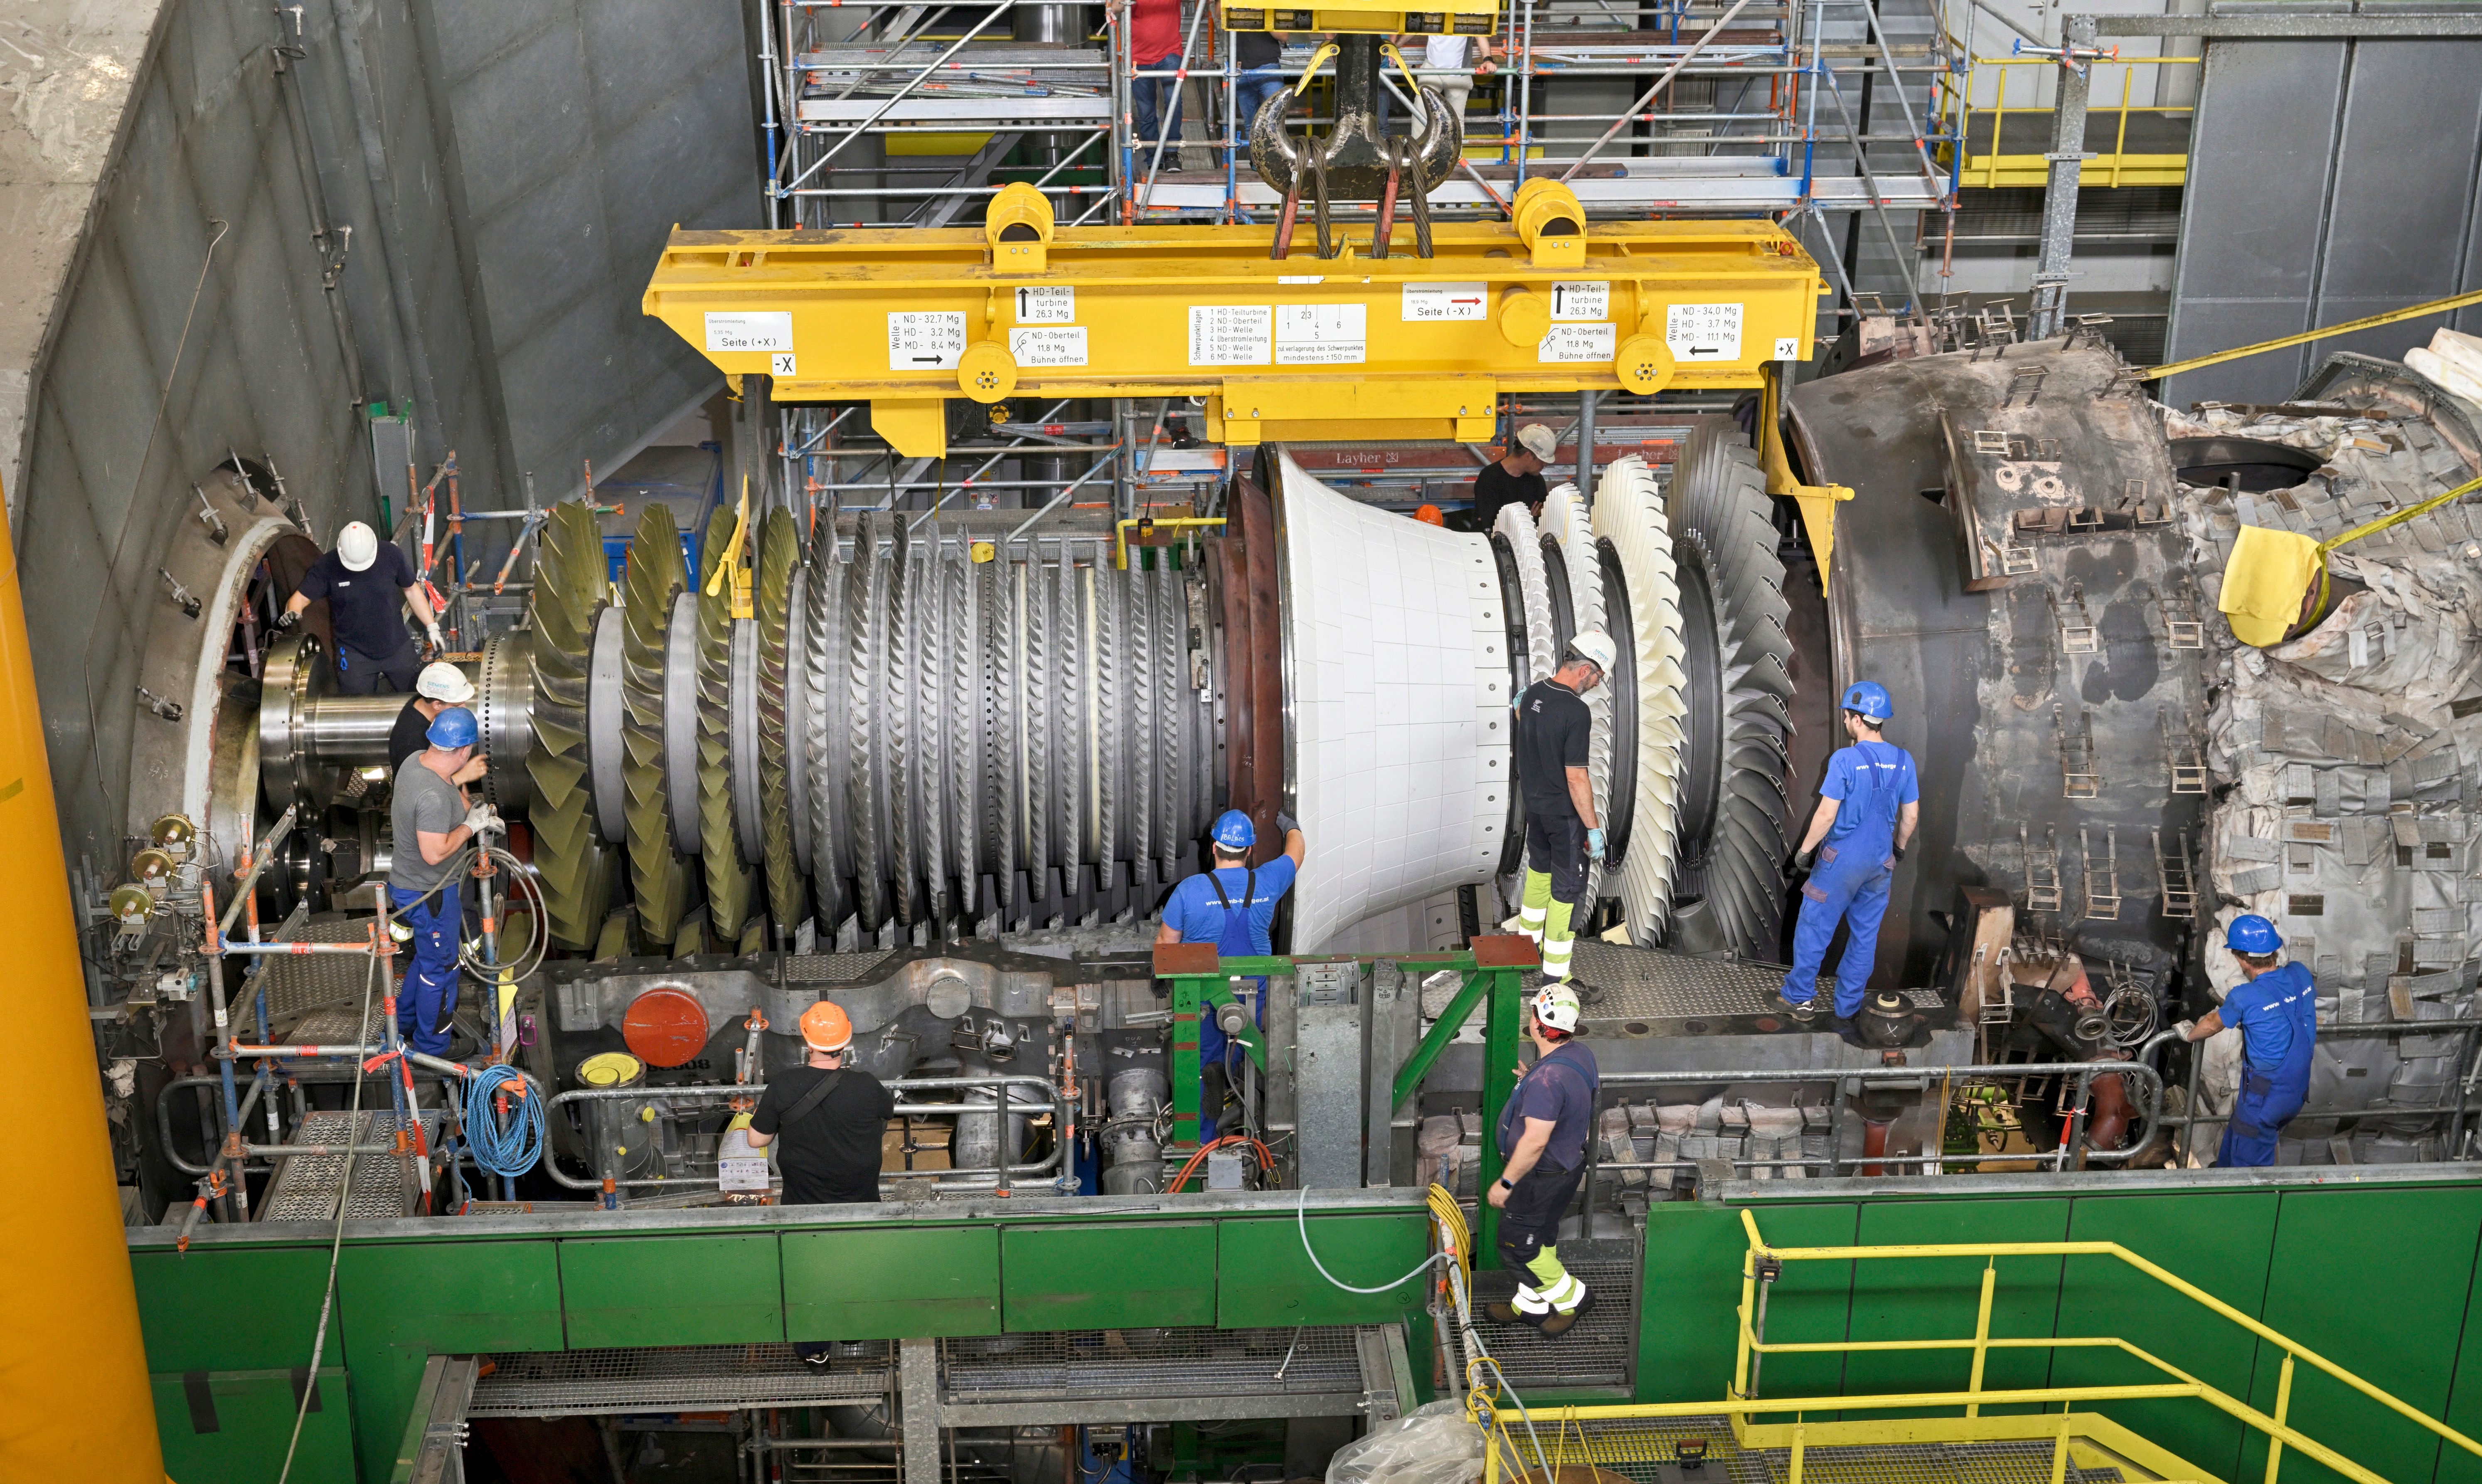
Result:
[433,822]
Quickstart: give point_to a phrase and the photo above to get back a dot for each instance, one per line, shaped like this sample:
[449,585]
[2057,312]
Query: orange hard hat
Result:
[824,1028]
[1430,514]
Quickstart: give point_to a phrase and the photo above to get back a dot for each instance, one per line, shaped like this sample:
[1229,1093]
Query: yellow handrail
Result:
[1957,109]
[2323,333]
[1749,1345]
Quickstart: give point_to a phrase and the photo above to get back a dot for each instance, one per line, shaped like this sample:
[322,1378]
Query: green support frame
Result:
[1494,970]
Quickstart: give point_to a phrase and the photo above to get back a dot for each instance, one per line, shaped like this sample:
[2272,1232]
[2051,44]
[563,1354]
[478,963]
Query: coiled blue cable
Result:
[512,1151]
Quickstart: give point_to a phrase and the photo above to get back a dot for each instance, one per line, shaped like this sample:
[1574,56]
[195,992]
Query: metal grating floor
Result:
[1596,1352]
[334,1026]
[1652,983]
[310,981]
[673,1378]
[305,1188]
[1103,1364]
[832,967]
[1638,1449]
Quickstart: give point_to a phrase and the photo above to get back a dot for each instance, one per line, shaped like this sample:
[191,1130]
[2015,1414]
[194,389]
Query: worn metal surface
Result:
[2007,569]
[673,1378]
[1328,1083]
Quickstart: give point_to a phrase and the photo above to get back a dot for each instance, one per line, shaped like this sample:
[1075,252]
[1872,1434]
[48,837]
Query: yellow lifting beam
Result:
[1301,348]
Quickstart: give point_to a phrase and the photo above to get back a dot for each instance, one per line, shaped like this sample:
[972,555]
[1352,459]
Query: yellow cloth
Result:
[2269,572]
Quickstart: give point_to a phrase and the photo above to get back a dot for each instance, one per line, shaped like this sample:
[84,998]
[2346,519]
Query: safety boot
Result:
[1559,1322]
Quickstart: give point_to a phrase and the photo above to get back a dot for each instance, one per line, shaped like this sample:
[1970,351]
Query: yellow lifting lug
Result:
[1018,226]
[732,569]
[1550,222]
[1146,526]
[1309,74]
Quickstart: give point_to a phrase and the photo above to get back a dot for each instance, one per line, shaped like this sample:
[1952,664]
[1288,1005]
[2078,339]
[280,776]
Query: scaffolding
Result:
[887,113]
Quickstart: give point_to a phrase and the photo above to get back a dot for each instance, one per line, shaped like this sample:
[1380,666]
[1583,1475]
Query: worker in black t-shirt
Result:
[1561,832]
[831,1116]
[1516,480]
[367,582]
[1259,57]
[439,686]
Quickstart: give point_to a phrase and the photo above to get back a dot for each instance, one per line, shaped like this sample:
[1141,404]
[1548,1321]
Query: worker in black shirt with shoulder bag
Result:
[831,1117]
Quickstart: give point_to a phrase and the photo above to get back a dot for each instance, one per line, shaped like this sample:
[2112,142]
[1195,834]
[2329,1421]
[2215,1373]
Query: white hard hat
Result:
[441,680]
[357,546]
[1596,647]
[1555,1005]
[1537,440]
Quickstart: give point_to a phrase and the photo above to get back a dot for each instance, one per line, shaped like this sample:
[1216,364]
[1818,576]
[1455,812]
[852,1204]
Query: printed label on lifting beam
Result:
[1576,302]
[750,329]
[1580,344]
[1696,332]
[1320,335]
[925,339]
[1229,334]
[1046,348]
[1045,305]
[1431,303]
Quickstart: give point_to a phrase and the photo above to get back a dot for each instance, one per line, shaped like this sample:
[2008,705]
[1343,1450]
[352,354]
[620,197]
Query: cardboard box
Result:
[914,1145]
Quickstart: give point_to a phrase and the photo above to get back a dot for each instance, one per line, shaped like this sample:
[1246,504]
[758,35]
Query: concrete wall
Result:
[65,66]
[507,169]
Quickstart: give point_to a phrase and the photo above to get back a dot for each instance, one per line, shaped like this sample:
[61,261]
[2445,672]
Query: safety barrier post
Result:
[1505,959]
[2283,1406]
[2060,1449]
[1193,970]
[1800,1444]
[1982,1335]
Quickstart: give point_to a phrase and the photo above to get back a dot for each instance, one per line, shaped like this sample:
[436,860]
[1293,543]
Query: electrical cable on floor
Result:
[512,1151]
[336,1244]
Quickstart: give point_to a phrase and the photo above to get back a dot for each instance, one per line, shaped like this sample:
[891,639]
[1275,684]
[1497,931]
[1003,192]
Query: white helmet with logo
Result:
[357,546]
[1595,647]
[441,680]
[1555,1005]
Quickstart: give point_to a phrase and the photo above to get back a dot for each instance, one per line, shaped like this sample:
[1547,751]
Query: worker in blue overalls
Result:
[2276,1011]
[1868,807]
[1232,907]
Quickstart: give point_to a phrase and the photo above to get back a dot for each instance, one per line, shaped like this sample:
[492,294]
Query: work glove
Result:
[1798,863]
[439,645]
[1593,844]
[1286,824]
[286,620]
[2185,1029]
[1899,852]
[480,818]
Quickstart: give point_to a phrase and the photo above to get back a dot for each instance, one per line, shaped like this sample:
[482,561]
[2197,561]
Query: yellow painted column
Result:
[74,1402]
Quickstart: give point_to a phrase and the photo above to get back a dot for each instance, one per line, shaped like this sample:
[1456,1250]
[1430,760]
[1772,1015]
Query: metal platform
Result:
[301,983]
[306,1186]
[1598,1353]
[1643,1450]
[1651,984]
[1168,1375]
[1102,1364]
[676,1378]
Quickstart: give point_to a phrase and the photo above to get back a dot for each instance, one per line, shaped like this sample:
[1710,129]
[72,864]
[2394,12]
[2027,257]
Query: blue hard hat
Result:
[2253,934]
[1234,831]
[452,727]
[1870,698]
